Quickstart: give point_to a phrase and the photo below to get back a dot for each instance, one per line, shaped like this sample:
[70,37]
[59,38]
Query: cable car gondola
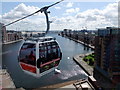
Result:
[40,55]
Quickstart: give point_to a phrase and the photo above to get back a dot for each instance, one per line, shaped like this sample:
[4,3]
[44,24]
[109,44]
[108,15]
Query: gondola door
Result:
[42,57]
[49,56]
[27,57]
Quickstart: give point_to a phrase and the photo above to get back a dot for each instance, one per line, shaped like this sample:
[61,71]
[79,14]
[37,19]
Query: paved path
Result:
[12,41]
[5,80]
[81,42]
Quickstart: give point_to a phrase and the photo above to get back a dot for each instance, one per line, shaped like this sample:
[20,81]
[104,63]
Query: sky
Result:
[65,15]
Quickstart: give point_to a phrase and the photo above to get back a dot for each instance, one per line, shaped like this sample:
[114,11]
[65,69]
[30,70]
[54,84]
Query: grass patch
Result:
[89,59]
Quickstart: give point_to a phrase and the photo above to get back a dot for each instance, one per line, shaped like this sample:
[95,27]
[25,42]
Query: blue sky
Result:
[64,14]
[7,6]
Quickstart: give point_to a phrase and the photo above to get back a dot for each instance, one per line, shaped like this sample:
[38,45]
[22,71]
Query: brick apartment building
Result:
[107,53]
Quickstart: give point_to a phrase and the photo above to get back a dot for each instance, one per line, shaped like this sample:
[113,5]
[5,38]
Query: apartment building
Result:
[107,53]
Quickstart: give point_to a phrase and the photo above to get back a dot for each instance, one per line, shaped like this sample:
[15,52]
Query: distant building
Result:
[85,36]
[107,53]
[8,36]
[4,33]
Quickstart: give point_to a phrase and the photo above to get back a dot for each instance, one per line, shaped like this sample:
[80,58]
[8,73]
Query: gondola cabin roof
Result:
[40,39]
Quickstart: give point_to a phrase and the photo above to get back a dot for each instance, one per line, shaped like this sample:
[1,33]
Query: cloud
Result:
[100,18]
[0,17]
[111,12]
[70,4]
[95,18]
[20,11]
[72,10]
[57,7]
[91,18]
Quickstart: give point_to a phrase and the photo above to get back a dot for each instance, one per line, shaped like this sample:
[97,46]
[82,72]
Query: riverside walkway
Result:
[88,45]
[5,80]
[12,41]
[82,43]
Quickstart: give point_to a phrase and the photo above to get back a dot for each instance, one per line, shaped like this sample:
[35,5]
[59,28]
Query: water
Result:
[70,70]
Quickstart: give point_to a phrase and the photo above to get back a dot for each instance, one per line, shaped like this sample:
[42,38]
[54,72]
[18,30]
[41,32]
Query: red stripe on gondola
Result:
[50,62]
[27,67]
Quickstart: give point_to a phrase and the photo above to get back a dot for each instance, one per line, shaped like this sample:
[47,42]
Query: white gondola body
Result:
[39,56]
